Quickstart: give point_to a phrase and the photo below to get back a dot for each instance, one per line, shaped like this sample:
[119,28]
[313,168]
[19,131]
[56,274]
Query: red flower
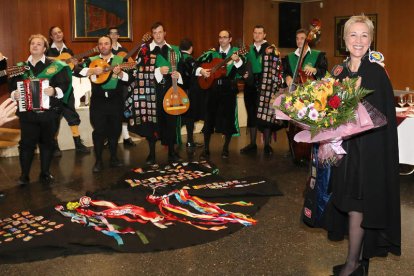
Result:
[334,102]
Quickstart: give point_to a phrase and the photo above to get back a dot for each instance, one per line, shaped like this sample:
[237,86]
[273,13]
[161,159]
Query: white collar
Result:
[153,44]
[112,55]
[225,51]
[63,47]
[117,46]
[258,47]
[30,59]
[297,52]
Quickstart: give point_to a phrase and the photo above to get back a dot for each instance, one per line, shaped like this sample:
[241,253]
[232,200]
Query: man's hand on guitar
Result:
[205,73]
[95,71]
[117,71]
[235,57]
[309,70]
[164,70]
[74,61]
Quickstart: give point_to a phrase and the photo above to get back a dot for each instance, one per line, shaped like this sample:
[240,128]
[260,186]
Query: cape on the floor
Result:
[149,209]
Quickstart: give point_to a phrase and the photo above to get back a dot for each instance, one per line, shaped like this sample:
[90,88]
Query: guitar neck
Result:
[122,65]
[87,53]
[225,61]
[130,53]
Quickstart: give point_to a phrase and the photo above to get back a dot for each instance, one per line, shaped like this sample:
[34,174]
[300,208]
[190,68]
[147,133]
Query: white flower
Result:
[302,112]
[313,114]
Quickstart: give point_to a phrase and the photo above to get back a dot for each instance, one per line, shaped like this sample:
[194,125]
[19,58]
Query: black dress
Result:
[367,179]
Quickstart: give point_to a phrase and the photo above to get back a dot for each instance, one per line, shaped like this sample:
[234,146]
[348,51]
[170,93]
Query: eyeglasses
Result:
[113,33]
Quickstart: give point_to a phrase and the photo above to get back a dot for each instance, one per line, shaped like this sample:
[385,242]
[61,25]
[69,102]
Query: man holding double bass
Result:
[313,65]
[107,103]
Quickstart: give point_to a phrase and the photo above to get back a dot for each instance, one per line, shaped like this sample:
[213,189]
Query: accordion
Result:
[31,95]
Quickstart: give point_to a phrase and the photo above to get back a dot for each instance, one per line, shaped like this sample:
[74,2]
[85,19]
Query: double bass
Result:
[301,152]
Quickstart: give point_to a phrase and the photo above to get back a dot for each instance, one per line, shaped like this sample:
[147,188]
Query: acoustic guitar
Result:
[147,37]
[175,101]
[14,71]
[218,69]
[107,69]
[68,58]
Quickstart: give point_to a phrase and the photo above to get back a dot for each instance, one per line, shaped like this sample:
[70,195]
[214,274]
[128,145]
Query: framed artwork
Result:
[340,48]
[92,18]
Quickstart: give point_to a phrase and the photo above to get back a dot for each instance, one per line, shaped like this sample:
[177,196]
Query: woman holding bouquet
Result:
[365,202]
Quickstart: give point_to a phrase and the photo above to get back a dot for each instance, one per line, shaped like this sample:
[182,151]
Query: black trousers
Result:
[37,129]
[106,119]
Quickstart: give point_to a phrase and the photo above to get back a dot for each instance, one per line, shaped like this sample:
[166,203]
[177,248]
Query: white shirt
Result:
[157,71]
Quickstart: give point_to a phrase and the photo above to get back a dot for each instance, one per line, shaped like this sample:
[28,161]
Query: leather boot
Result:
[79,146]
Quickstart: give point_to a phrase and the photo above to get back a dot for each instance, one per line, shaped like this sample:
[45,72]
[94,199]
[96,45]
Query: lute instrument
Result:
[217,68]
[175,101]
[107,69]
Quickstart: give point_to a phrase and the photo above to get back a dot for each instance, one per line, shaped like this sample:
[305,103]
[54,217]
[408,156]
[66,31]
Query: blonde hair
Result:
[42,37]
[359,19]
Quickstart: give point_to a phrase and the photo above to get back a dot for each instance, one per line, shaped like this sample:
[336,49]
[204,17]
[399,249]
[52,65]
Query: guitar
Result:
[299,75]
[14,71]
[147,37]
[66,57]
[218,69]
[175,101]
[107,69]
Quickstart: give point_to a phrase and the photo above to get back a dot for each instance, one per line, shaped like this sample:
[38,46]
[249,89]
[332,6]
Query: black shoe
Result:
[268,150]
[2,195]
[225,154]
[46,178]
[79,146]
[23,180]
[115,163]
[128,142]
[150,160]
[174,158]
[98,166]
[250,148]
[193,145]
[205,155]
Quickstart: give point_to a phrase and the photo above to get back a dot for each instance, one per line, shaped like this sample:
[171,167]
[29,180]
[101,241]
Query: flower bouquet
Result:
[329,111]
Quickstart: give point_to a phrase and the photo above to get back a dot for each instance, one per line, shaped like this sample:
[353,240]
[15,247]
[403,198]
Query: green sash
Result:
[112,82]
[310,59]
[51,70]
[256,61]
[161,61]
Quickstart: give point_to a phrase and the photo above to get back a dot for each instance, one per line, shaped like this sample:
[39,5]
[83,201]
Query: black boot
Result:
[79,146]
[2,195]
[46,156]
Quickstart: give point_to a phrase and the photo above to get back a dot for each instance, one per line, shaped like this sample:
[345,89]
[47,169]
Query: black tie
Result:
[223,55]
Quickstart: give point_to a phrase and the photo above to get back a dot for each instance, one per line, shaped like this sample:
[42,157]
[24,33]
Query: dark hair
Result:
[113,28]
[259,27]
[185,44]
[50,34]
[227,32]
[107,36]
[156,25]
[302,31]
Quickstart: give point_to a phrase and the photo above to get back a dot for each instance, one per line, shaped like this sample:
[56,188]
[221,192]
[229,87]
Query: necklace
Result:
[352,74]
